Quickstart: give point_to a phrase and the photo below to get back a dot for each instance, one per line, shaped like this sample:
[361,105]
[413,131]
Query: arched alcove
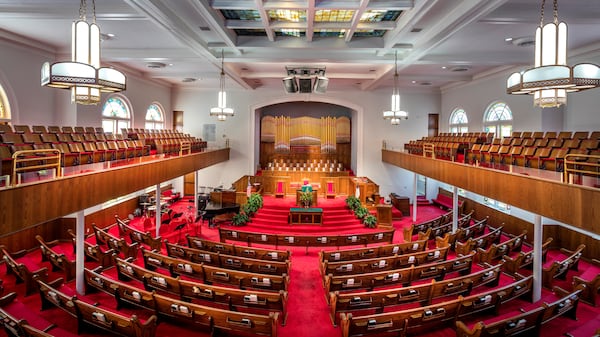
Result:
[298,107]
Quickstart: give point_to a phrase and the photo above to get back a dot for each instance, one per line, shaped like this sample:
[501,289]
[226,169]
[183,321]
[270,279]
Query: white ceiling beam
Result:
[356,19]
[265,20]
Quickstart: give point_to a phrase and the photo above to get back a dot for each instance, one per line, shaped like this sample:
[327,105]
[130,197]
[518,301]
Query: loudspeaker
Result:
[290,85]
[321,84]
[305,85]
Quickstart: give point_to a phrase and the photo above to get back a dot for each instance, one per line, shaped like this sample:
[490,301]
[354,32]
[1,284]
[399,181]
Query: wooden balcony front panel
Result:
[575,205]
[28,205]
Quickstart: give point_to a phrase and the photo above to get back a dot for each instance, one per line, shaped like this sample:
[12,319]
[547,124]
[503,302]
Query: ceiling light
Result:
[550,79]
[221,110]
[395,115]
[83,74]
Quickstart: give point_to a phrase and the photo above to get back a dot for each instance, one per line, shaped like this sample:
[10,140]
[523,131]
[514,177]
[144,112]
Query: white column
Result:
[415,198]
[79,252]
[454,208]
[196,176]
[158,214]
[538,233]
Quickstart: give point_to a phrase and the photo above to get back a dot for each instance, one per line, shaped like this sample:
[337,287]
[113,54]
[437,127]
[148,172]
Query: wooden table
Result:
[302,216]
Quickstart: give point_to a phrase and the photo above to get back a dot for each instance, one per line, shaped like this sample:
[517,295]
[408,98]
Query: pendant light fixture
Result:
[221,111]
[395,115]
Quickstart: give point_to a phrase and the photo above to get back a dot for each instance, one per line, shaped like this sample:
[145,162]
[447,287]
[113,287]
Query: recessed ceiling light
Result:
[444,67]
[508,39]
[414,82]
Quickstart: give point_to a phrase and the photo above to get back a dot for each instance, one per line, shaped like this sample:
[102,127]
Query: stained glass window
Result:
[459,121]
[498,119]
[154,117]
[115,115]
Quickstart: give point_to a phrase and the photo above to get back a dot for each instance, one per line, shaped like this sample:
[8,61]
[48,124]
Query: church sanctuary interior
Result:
[300,168]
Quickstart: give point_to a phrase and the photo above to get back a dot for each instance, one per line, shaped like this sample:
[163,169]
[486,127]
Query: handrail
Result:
[185,146]
[49,158]
[579,163]
[429,148]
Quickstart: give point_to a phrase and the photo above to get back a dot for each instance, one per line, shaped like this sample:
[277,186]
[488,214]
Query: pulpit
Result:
[384,215]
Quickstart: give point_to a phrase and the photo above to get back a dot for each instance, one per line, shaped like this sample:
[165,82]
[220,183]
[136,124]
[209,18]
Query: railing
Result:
[429,148]
[185,147]
[35,160]
[580,165]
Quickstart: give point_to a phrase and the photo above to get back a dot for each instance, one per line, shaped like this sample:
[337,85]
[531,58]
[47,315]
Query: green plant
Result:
[306,198]
[370,221]
[352,202]
[360,212]
[240,219]
[255,202]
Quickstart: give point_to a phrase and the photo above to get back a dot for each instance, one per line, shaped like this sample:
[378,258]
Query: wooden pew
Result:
[112,322]
[57,258]
[245,280]
[378,251]
[16,326]
[94,252]
[123,293]
[236,298]
[365,239]
[115,243]
[529,322]
[244,251]
[404,276]
[461,234]
[497,251]
[424,319]
[24,273]
[232,298]
[523,260]
[50,297]
[422,293]
[414,229]
[492,236]
[383,263]
[446,227]
[175,266]
[236,262]
[591,290]
[138,236]
[559,269]
[89,315]
[152,280]
[215,320]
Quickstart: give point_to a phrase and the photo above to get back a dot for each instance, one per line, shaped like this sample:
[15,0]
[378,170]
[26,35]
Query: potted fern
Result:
[240,219]
[352,202]
[360,212]
[306,199]
[370,221]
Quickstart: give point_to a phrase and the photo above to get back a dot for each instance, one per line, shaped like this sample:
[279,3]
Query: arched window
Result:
[154,117]
[498,119]
[459,121]
[115,115]
[4,106]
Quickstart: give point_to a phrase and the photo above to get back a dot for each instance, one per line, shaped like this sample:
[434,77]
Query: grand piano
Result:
[216,203]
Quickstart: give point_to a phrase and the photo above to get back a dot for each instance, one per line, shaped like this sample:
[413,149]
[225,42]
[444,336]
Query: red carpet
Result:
[308,313]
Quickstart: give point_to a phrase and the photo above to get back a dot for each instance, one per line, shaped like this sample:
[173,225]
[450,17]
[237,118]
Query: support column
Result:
[415,198]
[196,176]
[79,252]
[157,214]
[454,208]
[538,234]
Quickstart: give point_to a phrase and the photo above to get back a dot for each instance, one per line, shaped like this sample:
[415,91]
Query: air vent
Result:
[204,28]
[459,69]
[425,83]
[155,65]
[416,30]
[189,80]
[525,41]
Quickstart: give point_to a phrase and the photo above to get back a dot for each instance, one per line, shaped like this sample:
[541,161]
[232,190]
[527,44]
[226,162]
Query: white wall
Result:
[369,129]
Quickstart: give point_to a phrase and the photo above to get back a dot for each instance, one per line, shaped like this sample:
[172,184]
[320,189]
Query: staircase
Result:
[273,217]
